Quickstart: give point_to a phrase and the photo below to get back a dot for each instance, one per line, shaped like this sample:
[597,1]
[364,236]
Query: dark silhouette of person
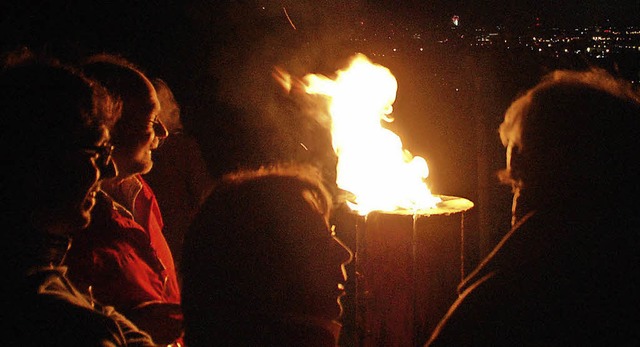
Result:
[123,259]
[566,273]
[55,135]
[261,266]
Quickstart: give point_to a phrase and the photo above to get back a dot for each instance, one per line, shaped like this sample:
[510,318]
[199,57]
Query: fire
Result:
[372,163]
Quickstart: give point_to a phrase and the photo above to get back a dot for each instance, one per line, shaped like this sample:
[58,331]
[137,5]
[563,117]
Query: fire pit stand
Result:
[407,268]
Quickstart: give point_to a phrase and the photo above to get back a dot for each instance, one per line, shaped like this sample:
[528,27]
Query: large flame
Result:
[372,164]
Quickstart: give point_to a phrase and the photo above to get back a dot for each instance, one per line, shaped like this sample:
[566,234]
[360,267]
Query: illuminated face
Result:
[508,155]
[140,134]
[512,169]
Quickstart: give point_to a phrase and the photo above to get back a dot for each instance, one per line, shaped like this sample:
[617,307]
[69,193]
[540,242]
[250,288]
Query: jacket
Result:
[559,277]
[46,309]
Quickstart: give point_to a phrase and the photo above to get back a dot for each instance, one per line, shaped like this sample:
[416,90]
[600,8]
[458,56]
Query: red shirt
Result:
[123,259]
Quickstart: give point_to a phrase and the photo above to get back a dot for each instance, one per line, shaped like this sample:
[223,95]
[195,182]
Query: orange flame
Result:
[372,164]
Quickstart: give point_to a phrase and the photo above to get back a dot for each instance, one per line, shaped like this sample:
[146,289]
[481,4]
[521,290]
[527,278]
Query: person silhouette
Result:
[565,273]
[261,266]
[55,131]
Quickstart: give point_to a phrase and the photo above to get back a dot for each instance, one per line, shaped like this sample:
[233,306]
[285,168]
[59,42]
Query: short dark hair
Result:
[121,77]
[573,128]
[124,80]
[45,102]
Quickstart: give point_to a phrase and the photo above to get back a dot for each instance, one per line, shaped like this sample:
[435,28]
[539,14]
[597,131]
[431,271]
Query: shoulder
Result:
[146,188]
[111,220]
[61,316]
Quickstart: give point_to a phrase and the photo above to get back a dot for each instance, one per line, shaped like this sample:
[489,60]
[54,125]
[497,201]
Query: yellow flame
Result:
[372,164]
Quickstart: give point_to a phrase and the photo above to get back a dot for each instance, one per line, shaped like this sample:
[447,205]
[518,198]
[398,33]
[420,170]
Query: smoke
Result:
[246,42]
[248,39]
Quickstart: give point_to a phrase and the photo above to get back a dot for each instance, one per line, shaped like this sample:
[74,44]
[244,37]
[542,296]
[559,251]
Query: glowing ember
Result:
[372,164]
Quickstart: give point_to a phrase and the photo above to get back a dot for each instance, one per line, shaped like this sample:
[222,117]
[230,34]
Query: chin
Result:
[146,169]
[340,310]
[84,214]
[333,312]
[83,221]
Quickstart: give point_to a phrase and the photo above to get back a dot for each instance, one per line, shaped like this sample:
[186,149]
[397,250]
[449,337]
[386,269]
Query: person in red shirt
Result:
[123,259]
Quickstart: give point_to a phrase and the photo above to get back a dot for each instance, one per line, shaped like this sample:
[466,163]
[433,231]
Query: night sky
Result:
[477,13]
[218,56]
[491,12]
[167,32]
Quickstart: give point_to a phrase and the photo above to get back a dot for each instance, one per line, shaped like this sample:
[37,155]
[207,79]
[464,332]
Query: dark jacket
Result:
[560,277]
[45,309]
[272,331]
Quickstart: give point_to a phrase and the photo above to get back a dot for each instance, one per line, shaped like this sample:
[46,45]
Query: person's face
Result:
[316,268]
[141,134]
[75,181]
[515,189]
[515,164]
[509,153]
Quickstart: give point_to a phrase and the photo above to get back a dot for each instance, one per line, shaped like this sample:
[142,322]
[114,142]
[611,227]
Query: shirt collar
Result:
[123,199]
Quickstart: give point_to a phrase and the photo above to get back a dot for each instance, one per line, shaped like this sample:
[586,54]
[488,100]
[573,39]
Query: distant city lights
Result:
[593,42]
[455,20]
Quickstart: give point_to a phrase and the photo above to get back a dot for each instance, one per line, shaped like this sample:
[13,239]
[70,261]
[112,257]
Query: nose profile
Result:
[345,253]
[160,129]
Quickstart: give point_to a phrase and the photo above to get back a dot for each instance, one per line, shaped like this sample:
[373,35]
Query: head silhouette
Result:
[261,250]
[572,138]
[138,131]
[56,146]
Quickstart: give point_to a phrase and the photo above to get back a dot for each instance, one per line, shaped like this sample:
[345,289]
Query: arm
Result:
[133,336]
[162,320]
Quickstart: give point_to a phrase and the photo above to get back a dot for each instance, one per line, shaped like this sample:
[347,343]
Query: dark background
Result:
[218,57]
